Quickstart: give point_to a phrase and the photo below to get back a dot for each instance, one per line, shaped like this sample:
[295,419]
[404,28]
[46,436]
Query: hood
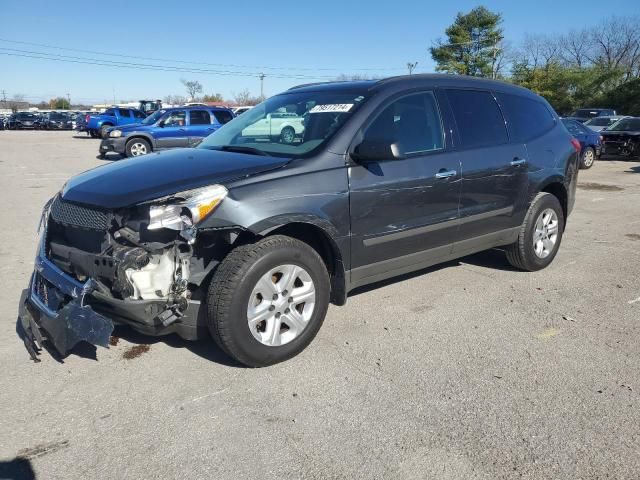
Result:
[134,127]
[135,180]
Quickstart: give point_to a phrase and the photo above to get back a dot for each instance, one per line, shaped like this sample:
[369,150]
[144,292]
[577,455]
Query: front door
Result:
[173,132]
[404,210]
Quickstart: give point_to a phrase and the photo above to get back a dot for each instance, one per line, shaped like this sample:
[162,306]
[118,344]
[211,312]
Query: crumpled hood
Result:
[127,182]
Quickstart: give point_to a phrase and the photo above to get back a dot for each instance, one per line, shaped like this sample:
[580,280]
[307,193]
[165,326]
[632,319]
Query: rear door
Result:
[172,130]
[403,211]
[199,125]
[494,170]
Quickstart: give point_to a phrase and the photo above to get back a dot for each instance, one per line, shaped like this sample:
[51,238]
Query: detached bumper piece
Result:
[54,312]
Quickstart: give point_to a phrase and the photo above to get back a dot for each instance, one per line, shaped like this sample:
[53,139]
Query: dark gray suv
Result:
[249,237]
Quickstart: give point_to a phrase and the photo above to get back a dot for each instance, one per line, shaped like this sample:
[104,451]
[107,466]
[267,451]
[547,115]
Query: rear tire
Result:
[236,289]
[288,135]
[588,158]
[540,235]
[136,147]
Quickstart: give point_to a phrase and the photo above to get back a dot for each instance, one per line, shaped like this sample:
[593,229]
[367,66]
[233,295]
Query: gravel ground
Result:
[467,370]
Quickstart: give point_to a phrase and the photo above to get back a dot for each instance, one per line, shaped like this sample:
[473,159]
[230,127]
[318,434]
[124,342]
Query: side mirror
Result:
[161,123]
[376,151]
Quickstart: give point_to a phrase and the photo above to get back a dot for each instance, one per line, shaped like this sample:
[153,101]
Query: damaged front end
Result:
[139,265]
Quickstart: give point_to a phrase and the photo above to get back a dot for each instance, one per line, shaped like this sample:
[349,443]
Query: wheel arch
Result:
[321,238]
[556,187]
[147,138]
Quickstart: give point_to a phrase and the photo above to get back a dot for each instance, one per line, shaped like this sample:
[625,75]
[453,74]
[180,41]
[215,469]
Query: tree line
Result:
[593,66]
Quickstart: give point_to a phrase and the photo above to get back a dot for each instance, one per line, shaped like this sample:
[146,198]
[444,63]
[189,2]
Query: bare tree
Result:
[245,98]
[16,101]
[174,100]
[616,44]
[193,87]
[576,48]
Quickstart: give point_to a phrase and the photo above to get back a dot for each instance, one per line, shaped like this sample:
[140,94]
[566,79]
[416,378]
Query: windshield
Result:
[26,115]
[288,125]
[585,112]
[626,125]
[57,116]
[600,122]
[154,117]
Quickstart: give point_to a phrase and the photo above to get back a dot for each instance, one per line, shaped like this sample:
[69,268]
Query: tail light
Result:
[576,145]
[86,118]
[601,139]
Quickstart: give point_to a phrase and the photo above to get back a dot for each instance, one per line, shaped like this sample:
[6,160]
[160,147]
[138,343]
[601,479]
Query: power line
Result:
[142,66]
[263,67]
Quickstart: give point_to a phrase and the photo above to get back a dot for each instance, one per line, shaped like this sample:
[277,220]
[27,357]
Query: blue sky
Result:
[311,39]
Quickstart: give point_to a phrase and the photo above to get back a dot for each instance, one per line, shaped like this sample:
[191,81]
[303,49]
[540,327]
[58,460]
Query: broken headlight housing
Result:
[186,209]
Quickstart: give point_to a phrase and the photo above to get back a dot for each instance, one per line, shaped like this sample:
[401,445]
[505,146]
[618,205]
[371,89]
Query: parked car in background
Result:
[601,123]
[240,110]
[253,238]
[584,114]
[56,121]
[23,120]
[280,126]
[590,141]
[97,125]
[149,106]
[622,138]
[166,128]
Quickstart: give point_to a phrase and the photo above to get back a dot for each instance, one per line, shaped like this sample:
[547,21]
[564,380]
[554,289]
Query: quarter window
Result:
[411,122]
[200,117]
[139,114]
[480,122]
[124,112]
[527,118]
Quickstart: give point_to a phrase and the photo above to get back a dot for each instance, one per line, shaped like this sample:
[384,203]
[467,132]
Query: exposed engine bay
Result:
[142,265]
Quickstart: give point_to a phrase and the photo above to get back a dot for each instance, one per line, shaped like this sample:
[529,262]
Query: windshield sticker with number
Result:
[333,107]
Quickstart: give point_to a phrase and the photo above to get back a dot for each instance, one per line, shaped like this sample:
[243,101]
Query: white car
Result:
[285,126]
[240,110]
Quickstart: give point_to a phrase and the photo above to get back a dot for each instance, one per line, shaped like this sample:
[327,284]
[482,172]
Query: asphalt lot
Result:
[467,370]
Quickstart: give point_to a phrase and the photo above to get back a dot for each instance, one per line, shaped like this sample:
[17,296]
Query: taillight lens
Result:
[601,139]
[576,144]
[86,118]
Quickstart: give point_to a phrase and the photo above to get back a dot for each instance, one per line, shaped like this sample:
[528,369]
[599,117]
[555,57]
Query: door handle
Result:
[446,174]
[518,161]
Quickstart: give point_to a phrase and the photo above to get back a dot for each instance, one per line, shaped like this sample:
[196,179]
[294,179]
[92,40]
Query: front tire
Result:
[540,235]
[588,158]
[267,300]
[136,147]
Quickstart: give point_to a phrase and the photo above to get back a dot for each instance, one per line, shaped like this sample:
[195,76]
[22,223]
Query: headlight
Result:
[196,206]
[115,133]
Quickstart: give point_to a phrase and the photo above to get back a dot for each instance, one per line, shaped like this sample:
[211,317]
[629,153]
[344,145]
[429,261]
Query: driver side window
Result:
[176,119]
[411,122]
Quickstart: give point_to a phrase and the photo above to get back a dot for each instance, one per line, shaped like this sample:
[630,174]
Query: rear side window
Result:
[527,118]
[573,127]
[200,117]
[223,116]
[138,114]
[480,122]
[110,112]
[124,112]
[411,122]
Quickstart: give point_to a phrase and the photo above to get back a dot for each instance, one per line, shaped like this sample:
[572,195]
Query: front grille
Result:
[74,215]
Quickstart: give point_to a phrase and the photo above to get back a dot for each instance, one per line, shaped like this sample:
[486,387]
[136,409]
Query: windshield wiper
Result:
[243,149]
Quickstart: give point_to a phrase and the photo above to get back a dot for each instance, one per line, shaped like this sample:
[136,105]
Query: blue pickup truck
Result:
[165,128]
[97,125]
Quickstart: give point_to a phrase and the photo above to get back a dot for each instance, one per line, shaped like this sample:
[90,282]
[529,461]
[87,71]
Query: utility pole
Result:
[261,77]
[69,101]
[411,66]
[4,99]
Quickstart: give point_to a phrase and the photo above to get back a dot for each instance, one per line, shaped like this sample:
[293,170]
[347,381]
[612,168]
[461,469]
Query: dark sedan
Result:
[56,121]
[622,138]
[590,141]
[22,120]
